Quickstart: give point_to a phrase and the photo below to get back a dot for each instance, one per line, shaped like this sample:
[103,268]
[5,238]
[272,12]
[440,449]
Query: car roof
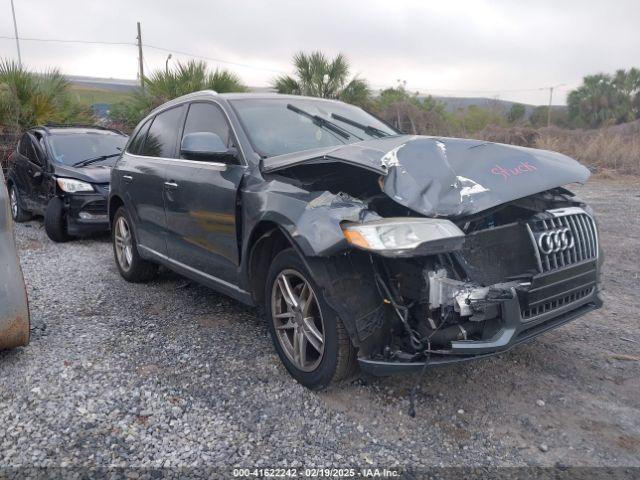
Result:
[271,95]
[75,129]
[212,94]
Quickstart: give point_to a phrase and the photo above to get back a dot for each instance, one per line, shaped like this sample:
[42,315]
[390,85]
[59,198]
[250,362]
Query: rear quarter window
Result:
[135,146]
[163,134]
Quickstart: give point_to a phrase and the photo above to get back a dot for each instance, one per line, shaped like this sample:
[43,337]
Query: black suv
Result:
[62,172]
[365,246]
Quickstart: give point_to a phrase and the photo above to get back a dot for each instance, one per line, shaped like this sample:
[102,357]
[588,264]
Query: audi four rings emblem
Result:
[557,240]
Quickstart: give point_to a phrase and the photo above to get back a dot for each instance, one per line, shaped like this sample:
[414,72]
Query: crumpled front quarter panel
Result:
[312,219]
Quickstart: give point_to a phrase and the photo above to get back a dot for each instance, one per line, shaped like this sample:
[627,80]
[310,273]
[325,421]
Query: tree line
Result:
[30,98]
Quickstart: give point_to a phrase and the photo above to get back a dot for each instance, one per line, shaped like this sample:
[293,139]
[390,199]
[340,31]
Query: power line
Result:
[57,40]
[511,90]
[154,47]
[217,60]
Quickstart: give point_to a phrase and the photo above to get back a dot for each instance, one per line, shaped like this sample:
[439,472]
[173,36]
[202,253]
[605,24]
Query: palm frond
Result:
[286,84]
[223,81]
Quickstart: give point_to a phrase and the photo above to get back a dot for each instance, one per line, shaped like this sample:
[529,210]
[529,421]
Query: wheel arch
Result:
[266,240]
[115,202]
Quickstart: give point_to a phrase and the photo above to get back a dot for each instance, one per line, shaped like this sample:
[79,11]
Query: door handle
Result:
[127,178]
[170,185]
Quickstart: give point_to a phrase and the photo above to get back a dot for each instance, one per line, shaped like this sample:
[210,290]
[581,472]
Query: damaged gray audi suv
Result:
[367,248]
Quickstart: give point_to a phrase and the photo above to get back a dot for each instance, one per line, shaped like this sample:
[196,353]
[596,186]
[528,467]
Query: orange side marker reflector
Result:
[356,238]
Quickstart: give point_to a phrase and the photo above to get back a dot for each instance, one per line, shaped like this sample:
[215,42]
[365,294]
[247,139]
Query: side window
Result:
[136,144]
[22,146]
[208,117]
[32,155]
[163,134]
[28,150]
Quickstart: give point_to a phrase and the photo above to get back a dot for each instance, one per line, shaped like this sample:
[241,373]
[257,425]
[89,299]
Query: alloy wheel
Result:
[297,319]
[123,243]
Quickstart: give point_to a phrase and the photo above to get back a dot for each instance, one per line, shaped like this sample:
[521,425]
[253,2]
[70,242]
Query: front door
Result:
[31,172]
[200,202]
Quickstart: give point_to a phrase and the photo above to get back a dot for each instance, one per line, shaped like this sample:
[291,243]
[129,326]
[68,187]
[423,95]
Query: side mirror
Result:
[206,146]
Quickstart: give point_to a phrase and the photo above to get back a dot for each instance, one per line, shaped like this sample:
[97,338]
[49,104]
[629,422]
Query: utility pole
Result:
[140,60]
[15,29]
[166,64]
[550,99]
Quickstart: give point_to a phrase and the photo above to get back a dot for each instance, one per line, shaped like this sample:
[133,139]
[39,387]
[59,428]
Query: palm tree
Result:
[628,83]
[28,98]
[319,76]
[598,101]
[166,84]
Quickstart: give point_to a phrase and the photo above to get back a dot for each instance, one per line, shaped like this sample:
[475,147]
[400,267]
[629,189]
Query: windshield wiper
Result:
[89,161]
[321,122]
[368,129]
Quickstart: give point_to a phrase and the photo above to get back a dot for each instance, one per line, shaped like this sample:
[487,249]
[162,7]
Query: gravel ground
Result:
[173,374]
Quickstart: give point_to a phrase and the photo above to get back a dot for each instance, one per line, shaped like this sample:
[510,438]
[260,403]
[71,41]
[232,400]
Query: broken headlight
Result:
[398,236]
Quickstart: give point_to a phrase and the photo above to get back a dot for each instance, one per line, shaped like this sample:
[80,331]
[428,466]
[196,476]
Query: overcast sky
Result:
[505,48]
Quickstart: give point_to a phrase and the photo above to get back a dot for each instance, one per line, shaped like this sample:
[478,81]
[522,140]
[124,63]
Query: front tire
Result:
[310,339]
[18,213]
[132,267]
[55,221]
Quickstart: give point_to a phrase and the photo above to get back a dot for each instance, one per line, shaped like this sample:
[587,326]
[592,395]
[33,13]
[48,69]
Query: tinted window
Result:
[207,117]
[136,144]
[32,155]
[163,134]
[27,149]
[22,147]
[70,148]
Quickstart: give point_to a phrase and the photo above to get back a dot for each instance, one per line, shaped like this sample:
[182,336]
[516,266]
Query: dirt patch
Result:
[212,321]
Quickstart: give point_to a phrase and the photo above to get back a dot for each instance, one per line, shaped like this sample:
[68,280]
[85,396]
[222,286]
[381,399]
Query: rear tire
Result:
[311,319]
[55,221]
[18,213]
[132,267]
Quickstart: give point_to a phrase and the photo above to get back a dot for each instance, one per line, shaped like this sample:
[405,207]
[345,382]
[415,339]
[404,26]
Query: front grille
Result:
[530,313]
[99,207]
[579,226]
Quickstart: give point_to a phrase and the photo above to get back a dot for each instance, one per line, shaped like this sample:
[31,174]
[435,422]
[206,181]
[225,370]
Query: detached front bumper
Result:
[86,213]
[514,330]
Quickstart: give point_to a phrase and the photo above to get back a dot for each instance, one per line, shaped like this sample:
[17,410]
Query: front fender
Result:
[311,219]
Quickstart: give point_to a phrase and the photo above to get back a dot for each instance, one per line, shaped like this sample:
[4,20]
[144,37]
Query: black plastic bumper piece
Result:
[514,332]
[86,214]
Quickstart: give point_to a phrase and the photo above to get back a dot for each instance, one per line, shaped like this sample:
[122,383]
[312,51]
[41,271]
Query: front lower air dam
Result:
[14,309]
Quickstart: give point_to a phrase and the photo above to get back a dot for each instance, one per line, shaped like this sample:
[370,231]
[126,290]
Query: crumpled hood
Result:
[90,173]
[448,176]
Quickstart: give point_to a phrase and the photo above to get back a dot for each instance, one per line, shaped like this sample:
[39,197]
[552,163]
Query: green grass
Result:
[89,96]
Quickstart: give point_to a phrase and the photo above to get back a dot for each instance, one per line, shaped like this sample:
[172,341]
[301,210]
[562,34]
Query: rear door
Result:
[141,177]
[200,201]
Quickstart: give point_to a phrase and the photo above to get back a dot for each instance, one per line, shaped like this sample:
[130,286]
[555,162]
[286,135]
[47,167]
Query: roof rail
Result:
[47,126]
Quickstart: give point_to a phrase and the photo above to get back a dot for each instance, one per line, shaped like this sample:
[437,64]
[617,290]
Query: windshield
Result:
[71,148]
[277,126]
